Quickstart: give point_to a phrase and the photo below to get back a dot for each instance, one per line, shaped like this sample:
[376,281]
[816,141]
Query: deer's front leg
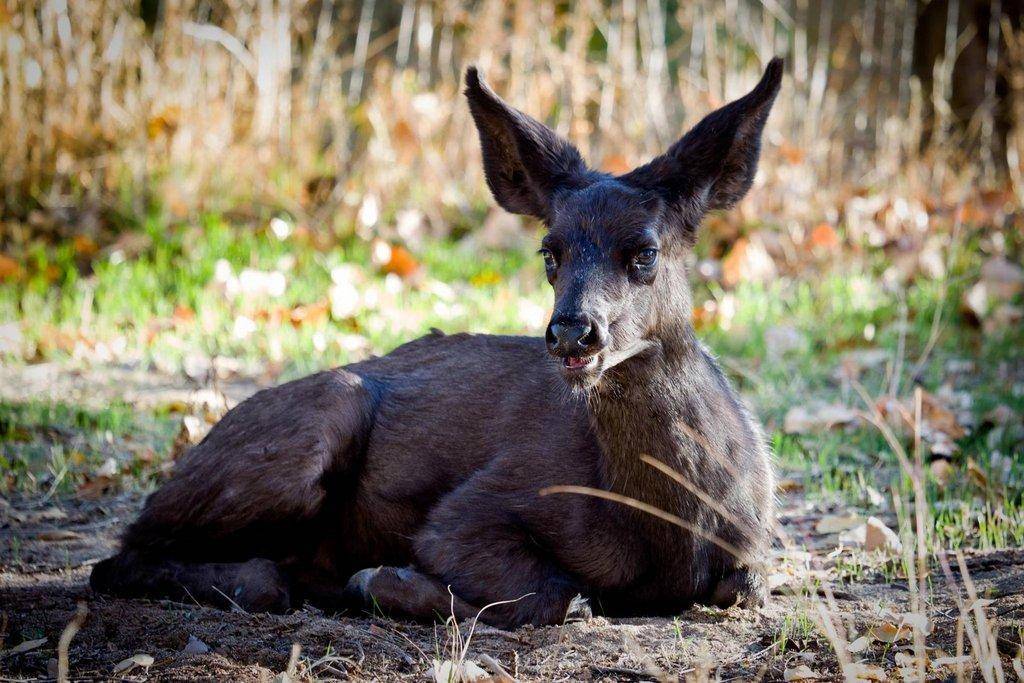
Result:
[464,574]
[493,564]
[478,541]
[494,539]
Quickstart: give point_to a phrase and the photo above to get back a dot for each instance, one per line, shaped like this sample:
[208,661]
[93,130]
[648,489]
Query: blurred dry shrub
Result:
[349,112]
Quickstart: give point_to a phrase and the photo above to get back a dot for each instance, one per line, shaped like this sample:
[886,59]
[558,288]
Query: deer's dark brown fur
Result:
[388,481]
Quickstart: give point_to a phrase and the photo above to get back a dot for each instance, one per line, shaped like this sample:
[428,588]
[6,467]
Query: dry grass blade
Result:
[649,509]
[291,670]
[458,667]
[702,495]
[76,623]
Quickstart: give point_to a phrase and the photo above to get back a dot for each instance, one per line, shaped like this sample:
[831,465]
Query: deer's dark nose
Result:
[577,337]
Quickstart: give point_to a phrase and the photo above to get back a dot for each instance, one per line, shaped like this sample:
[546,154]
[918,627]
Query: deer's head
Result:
[616,246]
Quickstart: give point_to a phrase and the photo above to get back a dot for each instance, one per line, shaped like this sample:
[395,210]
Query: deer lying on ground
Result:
[391,481]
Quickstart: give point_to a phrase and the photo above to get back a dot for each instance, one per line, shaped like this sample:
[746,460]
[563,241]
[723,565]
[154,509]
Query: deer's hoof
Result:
[259,586]
[743,587]
[357,590]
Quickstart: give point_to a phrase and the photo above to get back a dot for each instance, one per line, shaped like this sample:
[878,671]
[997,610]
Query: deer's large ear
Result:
[713,165]
[525,162]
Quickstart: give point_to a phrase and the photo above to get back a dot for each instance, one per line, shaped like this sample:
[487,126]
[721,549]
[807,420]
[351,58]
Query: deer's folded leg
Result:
[406,591]
[257,585]
[475,543]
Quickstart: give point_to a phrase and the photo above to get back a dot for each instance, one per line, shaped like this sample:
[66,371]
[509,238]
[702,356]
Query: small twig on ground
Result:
[496,668]
[1007,610]
[618,671]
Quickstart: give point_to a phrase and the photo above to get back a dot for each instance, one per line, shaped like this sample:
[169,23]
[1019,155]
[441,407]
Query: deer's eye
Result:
[549,260]
[645,258]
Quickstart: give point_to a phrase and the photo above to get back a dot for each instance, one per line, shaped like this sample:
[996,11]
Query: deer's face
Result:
[602,255]
[615,245]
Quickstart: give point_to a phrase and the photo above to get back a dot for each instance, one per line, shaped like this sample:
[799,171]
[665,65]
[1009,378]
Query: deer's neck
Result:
[659,404]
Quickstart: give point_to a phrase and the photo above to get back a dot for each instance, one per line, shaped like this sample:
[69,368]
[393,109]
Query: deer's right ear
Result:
[525,162]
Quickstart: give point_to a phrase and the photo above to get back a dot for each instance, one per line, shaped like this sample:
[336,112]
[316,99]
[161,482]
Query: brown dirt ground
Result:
[46,552]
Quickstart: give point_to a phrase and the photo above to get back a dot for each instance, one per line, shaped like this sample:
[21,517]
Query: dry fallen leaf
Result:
[803,420]
[616,164]
[9,268]
[26,646]
[747,261]
[890,633]
[143,660]
[976,474]
[834,524]
[941,471]
[495,667]
[917,621]
[464,672]
[1005,278]
[859,645]
[1000,282]
[1003,317]
[823,237]
[309,314]
[183,315]
[789,486]
[878,536]
[905,660]
[401,263]
[939,417]
[84,245]
[108,469]
[195,646]
[801,673]
[164,123]
[863,672]
[981,603]
[939,662]
[94,488]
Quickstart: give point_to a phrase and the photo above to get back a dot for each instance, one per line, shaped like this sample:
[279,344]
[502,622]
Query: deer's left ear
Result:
[713,165]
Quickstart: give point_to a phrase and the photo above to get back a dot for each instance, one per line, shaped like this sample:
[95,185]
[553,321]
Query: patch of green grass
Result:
[55,447]
[797,630]
[16,418]
[131,300]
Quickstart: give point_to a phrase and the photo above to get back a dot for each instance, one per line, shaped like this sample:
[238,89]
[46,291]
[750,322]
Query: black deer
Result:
[457,462]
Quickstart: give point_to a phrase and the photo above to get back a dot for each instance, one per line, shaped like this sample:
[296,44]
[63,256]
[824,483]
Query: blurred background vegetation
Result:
[219,189]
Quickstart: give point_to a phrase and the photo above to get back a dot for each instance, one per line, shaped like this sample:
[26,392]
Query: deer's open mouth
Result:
[578,362]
